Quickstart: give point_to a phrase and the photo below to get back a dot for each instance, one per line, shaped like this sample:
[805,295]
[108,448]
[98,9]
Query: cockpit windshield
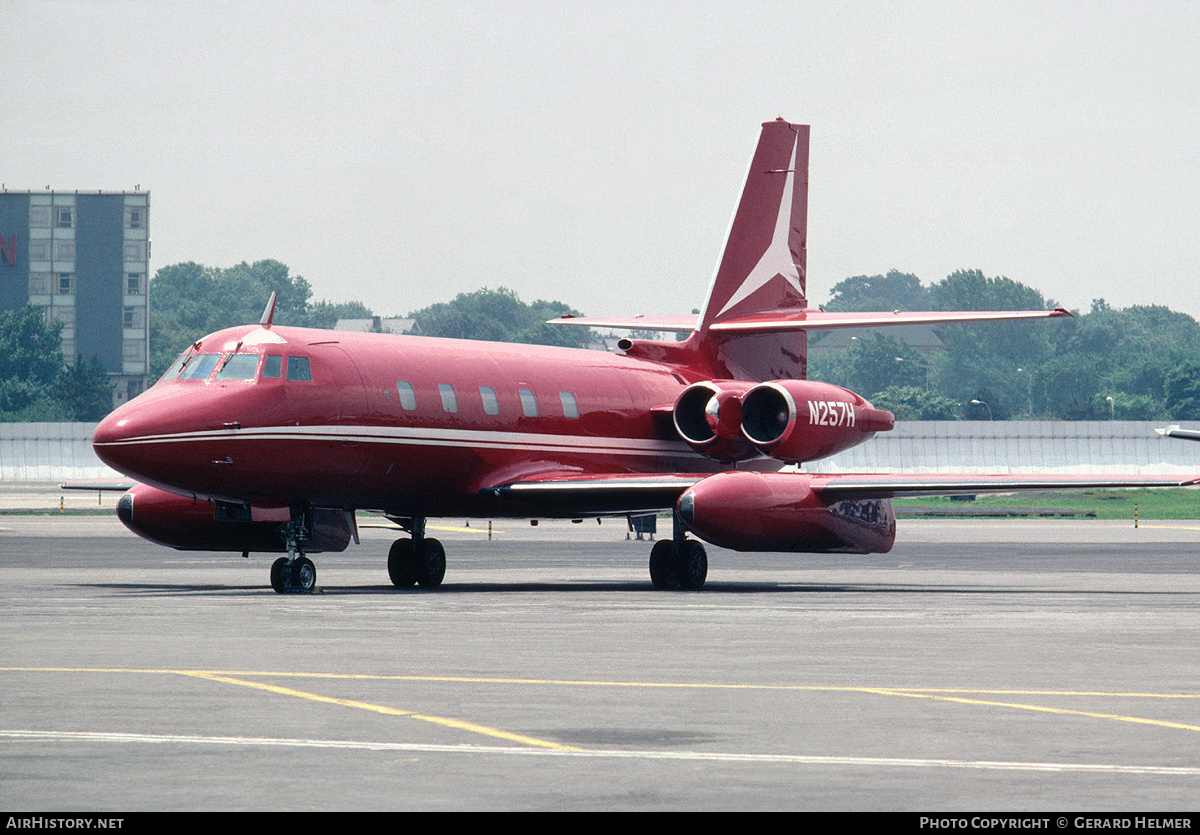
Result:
[199,367]
[239,367]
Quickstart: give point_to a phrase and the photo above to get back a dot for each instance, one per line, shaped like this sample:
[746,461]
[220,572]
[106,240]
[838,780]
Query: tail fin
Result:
[762,269]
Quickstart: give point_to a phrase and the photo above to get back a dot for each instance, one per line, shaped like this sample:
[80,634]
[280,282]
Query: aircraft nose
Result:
[108,437]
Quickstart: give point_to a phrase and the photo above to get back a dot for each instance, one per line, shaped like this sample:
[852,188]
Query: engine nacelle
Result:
[802,420]
[708,416]
[194,524]
[748,511]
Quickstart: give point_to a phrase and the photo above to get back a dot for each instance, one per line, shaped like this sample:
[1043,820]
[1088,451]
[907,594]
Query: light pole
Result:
[924,366]
[1112,411]
[983,403]
[1030,390]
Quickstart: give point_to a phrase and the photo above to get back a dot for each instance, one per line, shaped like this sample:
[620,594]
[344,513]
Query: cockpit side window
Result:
[272,365]
[239,367]
[298,370]
[199,367]
[173,372]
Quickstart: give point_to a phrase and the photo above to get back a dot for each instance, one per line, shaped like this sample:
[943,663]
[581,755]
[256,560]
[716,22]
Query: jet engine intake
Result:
[188,524]
[749,511]
[708,416]
[802,420]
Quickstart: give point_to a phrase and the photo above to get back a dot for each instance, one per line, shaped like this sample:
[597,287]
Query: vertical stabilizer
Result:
[762,269]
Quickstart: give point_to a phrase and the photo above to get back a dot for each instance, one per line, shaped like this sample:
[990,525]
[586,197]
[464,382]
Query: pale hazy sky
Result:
[592,152]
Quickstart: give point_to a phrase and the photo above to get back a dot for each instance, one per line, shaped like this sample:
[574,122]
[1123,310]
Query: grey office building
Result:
[83,257]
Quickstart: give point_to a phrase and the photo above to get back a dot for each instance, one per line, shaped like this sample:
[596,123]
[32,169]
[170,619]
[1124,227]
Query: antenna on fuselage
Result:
[269,311]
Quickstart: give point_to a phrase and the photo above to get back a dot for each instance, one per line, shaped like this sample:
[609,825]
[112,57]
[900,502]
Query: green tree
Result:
[35,384]
[894,291]
[911,403]
[83,389]
[499,316]
[1183,391]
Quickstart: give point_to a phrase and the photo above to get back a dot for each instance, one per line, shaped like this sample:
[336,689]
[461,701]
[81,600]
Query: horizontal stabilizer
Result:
[810,320]
[1176,432]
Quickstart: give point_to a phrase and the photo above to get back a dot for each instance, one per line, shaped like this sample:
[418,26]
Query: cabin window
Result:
[449,398]
[199,367]
[570,408]
[528,403]
[490,404]
[408,398]
[298,370]
[239,367]
[272,365]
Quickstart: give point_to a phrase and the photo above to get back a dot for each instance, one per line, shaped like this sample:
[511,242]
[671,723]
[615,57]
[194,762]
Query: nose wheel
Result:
[298,575]
[295,572]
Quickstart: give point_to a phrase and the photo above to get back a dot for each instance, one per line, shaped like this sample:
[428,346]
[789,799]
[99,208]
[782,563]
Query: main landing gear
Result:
[295,572]
[678,563]
[417,560]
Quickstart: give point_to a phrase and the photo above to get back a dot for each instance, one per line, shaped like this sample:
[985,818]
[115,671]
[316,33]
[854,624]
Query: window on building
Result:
[298,370]
[64,217]
[133,284]
[528,403]
[490,404]
[570,409]
[39,284]
[129,316]
[39,249]
[136,218]
[408,398]
[66,284]
[449,398]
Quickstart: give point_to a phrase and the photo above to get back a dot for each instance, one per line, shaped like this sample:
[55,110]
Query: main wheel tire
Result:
[663,572]
[692,567]
[279,575]
[431,563]
[402,564]
[304,574]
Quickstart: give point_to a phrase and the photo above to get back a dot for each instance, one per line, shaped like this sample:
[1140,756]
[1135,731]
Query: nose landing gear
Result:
[295,572]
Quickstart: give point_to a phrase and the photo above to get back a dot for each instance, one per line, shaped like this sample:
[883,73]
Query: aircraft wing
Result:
[808,320]
[889,486]
[597,495]
[621,493]
[1176,432]
[98,484]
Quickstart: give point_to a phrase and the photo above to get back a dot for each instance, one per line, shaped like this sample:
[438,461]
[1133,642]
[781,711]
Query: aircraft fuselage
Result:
[412,426]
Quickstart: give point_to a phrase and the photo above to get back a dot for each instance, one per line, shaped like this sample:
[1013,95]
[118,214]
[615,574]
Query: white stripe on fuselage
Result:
[483,439]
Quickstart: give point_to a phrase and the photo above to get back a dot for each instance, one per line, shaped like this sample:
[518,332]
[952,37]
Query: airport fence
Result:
[1019,448]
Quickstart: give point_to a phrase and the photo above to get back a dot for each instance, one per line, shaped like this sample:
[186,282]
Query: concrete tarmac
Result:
[980,666]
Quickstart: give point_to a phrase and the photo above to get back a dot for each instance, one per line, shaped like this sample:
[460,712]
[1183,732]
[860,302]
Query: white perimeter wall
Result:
[1020,447]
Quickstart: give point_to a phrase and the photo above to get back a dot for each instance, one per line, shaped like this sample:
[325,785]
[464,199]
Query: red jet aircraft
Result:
[265,438]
